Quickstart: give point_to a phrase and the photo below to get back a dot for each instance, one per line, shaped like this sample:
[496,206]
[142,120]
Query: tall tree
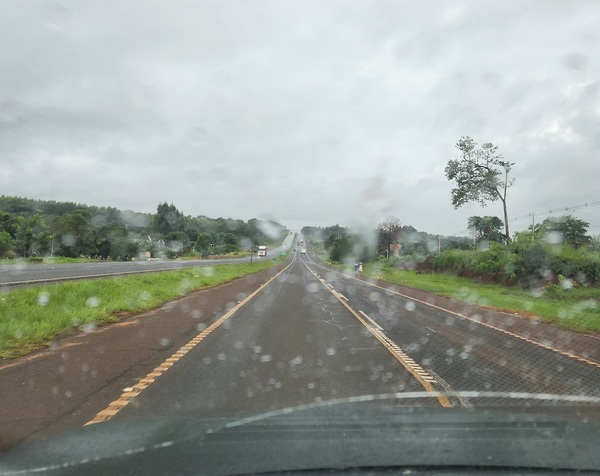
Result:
[481,176]
[7,243]
[389,233]
[75,234]
[8,223]
[167,219]
[486,228]
[572,231]
[32,235]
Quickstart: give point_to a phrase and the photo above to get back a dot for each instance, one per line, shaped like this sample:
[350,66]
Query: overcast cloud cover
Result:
[310,112]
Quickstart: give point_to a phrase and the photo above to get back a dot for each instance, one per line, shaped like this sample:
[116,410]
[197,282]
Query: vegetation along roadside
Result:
[31,318]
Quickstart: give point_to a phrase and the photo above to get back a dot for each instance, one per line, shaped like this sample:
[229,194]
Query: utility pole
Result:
[532,226]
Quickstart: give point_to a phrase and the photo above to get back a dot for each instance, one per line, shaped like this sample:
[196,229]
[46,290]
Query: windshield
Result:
[304,215]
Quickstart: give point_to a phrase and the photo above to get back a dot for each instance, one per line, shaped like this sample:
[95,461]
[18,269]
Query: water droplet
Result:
[43,298]
[92,302]
[331,351]
[88,328]
[410,306]
[221,356]
[265,358]
[164,342]
[196,313]
[145,296]
[312,287]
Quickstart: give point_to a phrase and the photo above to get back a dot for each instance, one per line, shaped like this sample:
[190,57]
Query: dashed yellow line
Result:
[132,392]
[418,372]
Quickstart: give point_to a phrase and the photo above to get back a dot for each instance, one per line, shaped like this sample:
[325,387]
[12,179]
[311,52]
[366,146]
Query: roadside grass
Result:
[31,318]
[576,308]
[319,251]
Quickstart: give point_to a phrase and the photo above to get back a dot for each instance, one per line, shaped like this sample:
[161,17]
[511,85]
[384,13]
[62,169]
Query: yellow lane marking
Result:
[424,378]
[481,323]
[131,392]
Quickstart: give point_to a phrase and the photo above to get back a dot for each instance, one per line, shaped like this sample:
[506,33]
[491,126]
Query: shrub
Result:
[454,261]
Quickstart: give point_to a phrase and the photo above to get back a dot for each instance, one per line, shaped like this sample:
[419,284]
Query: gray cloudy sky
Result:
[310,112]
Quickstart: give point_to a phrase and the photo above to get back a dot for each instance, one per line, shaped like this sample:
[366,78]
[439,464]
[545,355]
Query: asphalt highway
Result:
[313,335]
[298,334]
[31,274]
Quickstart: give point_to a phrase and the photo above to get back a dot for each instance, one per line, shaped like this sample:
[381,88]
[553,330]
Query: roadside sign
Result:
[283,253]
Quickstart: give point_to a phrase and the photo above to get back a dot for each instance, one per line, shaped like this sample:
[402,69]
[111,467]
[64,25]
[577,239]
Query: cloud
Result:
[312,113]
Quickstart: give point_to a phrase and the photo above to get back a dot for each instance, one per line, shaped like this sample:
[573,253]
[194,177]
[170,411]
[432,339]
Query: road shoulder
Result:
[64,386]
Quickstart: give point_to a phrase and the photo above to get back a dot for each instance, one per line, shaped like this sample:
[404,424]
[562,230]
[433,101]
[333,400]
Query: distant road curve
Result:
[23,275]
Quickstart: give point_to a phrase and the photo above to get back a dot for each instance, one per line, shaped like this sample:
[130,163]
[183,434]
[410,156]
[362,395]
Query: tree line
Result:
[554,250]
[388,239]
[557,249]
[37,228]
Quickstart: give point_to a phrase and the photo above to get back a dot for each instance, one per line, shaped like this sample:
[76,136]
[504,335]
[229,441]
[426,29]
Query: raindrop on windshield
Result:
[43,298]
[312,287]
[196,313]
[89,328]
[92,302]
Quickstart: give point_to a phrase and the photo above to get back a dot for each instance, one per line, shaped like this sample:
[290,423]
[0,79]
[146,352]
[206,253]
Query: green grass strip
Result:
[31,318]
[576,308]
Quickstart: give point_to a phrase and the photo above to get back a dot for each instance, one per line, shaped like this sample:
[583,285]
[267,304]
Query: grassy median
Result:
[31,318]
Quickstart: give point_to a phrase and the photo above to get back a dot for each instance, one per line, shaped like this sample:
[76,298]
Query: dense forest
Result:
[37,228]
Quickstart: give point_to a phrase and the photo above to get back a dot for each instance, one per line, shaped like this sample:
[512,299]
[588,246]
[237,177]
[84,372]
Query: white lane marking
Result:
[481,323]
[371,320]
[392,348]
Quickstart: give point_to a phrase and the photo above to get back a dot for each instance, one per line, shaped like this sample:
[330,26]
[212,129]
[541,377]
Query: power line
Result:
[544,214]
[558,210]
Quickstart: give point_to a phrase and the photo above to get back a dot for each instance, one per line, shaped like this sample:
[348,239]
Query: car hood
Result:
[375,432]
